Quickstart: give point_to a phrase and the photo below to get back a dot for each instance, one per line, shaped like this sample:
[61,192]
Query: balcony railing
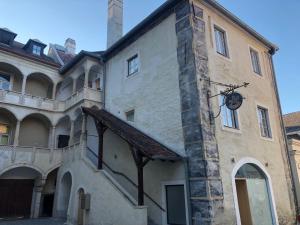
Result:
[16,98]
[37,156]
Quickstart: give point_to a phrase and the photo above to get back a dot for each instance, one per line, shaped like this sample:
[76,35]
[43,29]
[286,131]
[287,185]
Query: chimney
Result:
[115,21]
[70,45]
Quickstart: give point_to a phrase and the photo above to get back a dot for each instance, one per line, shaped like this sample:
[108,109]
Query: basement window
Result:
[130,116]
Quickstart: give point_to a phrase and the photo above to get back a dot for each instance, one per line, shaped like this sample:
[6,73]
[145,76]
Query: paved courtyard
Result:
[32,222]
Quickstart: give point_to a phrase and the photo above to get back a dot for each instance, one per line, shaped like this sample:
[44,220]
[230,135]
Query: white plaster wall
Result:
[108,203]
[154,91]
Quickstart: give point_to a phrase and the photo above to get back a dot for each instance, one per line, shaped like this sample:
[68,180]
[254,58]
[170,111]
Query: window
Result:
[221,44]
[4,82]
[175,202]
[36,50]
[133,65]
[130,116]
[264,124]
[255,61]
[229,117]
[4,134]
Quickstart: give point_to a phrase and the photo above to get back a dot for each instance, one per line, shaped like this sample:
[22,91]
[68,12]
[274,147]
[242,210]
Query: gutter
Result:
[271,53]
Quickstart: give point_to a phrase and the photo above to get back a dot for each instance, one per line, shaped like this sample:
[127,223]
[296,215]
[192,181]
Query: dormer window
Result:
[36,50]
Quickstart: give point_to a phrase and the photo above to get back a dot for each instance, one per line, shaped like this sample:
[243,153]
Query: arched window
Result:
[253,196]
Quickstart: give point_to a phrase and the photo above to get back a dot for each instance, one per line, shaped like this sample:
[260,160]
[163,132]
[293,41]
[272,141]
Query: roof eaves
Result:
[239,22]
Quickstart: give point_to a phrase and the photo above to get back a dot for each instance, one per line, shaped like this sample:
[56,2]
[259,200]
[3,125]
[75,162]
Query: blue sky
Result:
[52,21]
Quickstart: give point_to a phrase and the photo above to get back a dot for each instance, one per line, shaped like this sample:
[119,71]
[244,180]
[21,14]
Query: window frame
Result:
[164,199]
[216,29]
[269,135]
[252,50]
[36,50]
[8,134]
[135,56]
[127,114]
[233,113]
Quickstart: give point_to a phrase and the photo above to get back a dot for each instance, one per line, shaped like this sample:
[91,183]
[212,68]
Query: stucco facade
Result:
[167,99]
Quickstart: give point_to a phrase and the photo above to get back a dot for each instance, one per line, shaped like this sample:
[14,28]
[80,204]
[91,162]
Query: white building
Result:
[131,136]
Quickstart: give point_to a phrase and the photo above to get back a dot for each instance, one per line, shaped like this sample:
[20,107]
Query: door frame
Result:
[248,160]
[164,203]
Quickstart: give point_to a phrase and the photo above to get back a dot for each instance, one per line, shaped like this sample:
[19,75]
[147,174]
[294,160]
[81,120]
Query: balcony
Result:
[16,98]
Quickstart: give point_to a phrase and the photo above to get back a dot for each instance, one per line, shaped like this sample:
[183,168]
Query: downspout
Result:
[271,53]
[104,84]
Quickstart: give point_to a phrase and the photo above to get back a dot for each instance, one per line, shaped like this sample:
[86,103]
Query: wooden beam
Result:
[100,129]
[140,164]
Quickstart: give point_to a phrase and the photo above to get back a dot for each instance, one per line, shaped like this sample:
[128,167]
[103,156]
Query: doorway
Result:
[80,216]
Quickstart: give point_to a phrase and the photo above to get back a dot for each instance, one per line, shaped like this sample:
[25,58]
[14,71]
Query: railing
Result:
[94,159]
[16,98]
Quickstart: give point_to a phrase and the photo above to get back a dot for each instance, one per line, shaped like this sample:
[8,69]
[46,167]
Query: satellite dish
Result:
[234,100]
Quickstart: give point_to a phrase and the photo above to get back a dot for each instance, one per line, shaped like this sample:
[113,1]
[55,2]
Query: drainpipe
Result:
[187,184]
[104,84]
[271,53]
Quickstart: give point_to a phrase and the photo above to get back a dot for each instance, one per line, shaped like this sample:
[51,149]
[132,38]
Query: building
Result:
[133,135]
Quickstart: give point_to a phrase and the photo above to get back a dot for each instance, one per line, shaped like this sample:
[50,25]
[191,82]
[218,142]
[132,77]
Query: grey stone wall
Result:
[205,185]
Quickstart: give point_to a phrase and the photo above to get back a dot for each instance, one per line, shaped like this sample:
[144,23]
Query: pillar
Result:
[74,86]
[83,128]
[24,85]
[17,132]
[52,138]
[86,77]
[36,207]
[71,141]
[54,91]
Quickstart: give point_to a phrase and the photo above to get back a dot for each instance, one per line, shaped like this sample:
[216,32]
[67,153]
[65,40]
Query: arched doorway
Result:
[253,195]
[80,214]
[66,185]
[18,192]
[7,127]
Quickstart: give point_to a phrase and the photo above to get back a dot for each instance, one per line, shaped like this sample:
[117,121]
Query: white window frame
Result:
[126,115]
[251,49]
[238,128]
[135,56]
[238,165]
[164,196]
[269,121]
[36,50]
[219,28]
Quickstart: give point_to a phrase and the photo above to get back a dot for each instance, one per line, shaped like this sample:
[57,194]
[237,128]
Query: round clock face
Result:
[234,100]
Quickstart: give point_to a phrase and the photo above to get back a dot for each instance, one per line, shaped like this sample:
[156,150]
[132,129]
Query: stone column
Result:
[204,181]
[17,133]
[36,207]
[74,86]
[86,77]
[24,85]
[52,138]
[71,140]
[54,91]
[83,128]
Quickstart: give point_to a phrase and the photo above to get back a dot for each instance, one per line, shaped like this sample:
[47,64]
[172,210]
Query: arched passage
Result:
[18,195]
[7,127]
[35,130]
[62,133]
[64,89]
[10,77]
[253,194]
[66,187]
[38,84]
[95,77]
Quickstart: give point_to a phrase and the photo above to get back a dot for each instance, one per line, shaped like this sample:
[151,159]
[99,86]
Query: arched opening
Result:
[253,196]
[95,77]
[40,85]
[34,131]
[66,185]
[19,197]
[62,134]
[80,82]
[47,200]
[10,77]
[77,126]
[80,213]
[64,89]
[7,127]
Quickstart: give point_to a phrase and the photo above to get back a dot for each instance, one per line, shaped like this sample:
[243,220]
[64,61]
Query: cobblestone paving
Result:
[33,222]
